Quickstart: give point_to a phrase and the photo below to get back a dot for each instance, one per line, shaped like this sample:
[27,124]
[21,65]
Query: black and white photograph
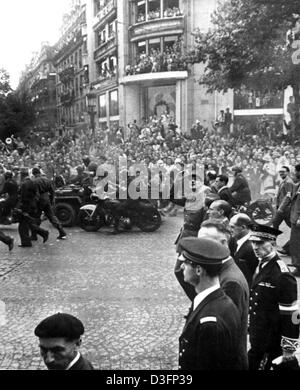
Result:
[150,187]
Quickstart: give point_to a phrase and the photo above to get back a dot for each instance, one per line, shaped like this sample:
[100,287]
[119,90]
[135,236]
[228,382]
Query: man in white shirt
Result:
[59,341]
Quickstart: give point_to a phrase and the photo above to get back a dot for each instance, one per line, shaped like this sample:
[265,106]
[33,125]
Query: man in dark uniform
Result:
[59,341]
[210,338]
[11,189]
[273,330]
[28,216]
[46,199]
[231,278]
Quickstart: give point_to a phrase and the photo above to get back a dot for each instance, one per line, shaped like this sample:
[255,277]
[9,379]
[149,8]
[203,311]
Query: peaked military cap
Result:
[60,325]
[264,233]
[203,250]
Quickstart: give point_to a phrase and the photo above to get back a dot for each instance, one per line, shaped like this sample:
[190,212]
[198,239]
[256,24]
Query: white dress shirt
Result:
[75,360]
[242,241]
[201,296]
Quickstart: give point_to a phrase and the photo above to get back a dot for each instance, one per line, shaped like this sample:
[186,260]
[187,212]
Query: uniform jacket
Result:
[82,364]
[285,187]
[240,189]
[46,189]
[273,300]
[29,195]
[235,286]
[247,261]
[210,338]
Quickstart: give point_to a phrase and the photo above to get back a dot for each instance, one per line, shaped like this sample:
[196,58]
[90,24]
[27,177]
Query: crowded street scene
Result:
[150,208]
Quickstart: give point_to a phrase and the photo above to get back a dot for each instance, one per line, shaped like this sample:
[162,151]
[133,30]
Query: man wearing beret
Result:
[273,330]
[210,338]
[59,341]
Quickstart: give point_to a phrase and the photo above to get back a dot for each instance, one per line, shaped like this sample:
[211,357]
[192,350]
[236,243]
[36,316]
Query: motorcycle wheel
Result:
[261,212]
[88,223]
[150,221]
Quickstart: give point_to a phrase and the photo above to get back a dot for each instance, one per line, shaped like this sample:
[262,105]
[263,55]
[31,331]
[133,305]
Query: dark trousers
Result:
[4,238]
[279,218]
[295,245]
[48,211]
[28,224]
[259,359]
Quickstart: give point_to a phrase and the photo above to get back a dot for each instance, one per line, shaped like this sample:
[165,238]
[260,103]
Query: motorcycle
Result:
[260,211]
[141,213]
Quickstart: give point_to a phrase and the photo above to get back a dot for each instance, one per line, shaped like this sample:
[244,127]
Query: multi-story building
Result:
[38,80]
[71,61]
[137,71]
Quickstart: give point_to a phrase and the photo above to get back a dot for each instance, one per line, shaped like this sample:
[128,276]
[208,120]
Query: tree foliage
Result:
[247,45]
[16,109]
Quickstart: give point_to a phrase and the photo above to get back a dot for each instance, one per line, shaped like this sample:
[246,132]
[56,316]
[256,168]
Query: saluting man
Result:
[273,304]
[210,338]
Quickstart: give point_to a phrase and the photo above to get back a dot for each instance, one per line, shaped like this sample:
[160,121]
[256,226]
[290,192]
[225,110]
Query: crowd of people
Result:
[171,59]
[155,14]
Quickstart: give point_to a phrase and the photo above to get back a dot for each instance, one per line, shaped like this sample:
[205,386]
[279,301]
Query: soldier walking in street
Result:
[273,303]
[29,213]
[46,199]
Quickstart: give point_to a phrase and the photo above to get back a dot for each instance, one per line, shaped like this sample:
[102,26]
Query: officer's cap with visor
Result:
[203,251]
[262,233]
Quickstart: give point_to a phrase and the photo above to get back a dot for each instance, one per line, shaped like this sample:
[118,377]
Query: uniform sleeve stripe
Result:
[288,308]
[208,319]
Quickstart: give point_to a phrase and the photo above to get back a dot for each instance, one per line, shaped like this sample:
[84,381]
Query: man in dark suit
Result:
[244,256]
[59,341]
[9,241]
[240,188]
[232,281]
[224,191]
[210,338]
[10,188]
[273,326]
[294,201]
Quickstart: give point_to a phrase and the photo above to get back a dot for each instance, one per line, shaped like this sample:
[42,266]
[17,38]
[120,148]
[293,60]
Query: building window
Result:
[102,106]
[141,11]
[154,11]
[168,43]
[154,45]
[171,8]
[113,103]
[141,48]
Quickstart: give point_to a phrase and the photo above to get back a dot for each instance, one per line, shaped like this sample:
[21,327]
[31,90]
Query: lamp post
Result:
[91,98]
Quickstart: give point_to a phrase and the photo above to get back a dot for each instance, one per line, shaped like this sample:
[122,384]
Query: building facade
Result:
[72,69]
[38,80]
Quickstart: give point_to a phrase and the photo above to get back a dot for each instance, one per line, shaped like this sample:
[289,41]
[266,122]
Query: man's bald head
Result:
[240,225]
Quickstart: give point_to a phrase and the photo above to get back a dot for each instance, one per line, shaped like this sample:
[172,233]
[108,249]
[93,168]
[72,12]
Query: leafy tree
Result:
[4,82]
[247,44]
[16,109]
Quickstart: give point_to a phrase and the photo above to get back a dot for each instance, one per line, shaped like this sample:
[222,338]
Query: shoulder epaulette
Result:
[283,266]
[208,319]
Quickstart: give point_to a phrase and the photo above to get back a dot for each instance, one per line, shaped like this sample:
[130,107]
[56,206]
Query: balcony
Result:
[106,13]
[155,27]
[105,48]
[67,98]
[106,79]
[154,78]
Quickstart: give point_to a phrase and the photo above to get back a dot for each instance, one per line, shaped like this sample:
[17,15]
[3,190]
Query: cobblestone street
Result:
[121,287]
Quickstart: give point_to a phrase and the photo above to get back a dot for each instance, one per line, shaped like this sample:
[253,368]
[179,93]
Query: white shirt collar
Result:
[75,360]
[201,296]
[242,241]
[267,259]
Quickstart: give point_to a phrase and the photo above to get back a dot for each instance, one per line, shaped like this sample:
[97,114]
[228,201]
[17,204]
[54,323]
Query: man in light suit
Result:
[210,338]
[244,256]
